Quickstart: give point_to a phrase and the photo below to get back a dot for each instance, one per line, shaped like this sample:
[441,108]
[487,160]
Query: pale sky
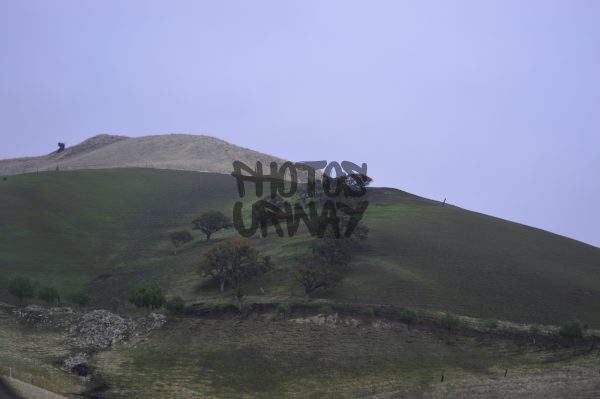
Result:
[494,105]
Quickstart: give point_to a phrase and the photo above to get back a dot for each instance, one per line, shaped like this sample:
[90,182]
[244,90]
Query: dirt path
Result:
[28,391]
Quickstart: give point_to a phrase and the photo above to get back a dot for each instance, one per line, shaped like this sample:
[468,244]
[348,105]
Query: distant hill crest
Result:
[169,151]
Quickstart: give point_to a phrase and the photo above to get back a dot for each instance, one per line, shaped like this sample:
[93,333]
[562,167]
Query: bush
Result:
[114,303]
[148,296]
[408,316]
[326,310]
[49,295]
[176,304]
[284,308]
[369,312]
[572,329]
[267,264]
[449,321]
[492,324]
[246,306]
[22,288]
[80,298]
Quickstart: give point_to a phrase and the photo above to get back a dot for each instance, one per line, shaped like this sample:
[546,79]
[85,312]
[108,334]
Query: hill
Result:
[107,230]
[170,151]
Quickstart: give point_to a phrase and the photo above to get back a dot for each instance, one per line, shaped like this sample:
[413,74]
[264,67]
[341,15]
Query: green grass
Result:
[261,357]
[106,230]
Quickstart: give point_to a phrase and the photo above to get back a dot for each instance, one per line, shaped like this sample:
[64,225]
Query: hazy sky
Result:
[493,105]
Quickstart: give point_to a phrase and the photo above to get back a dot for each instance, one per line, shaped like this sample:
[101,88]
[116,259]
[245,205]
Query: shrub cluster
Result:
[176,304]
[326,310]
[369,312]
[572,329]
[408,316]
[449,321]
[284,308]
[492,324]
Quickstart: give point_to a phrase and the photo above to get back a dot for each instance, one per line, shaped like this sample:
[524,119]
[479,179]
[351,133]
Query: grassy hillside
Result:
[107,229]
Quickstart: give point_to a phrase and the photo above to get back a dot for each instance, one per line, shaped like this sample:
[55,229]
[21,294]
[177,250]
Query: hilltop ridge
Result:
[168,151]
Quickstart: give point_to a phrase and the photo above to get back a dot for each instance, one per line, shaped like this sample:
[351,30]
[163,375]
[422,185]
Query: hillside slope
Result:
[169,151]
[106,230]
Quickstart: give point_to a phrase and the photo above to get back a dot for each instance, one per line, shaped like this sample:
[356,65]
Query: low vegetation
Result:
[147,296]
[326,310]
[408,316]
[368,312]
[49,295]
[284,308]
[80,298]
[491,324]
[449,321]
[176,304]
[22,288]
[572,329]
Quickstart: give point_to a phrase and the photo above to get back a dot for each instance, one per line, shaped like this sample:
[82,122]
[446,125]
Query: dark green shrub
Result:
[22,288]
[369,312]
[267,264]
[176,304]
[449,321]
[49,295]
[115,303]
[326,310]
[572,329]
[246,306]
[148,296]
[408,316]
[492,324]
[284,308]
[80,298]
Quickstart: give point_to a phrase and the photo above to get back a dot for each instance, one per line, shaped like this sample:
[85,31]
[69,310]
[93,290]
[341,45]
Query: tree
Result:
[338,251]
[232,261]
[178,238]
[148,296]
[49,295]
[22,288]
[210,222]
[61,147]
[216,265]
[314,272]
[80,298]
[330,257]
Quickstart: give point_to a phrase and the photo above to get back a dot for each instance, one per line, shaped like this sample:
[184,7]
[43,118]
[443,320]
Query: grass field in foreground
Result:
[265,355]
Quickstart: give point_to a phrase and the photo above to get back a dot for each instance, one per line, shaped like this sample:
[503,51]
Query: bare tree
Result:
[178,238]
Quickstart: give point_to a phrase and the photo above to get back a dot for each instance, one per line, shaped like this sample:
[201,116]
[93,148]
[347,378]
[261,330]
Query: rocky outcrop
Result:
[100,329]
